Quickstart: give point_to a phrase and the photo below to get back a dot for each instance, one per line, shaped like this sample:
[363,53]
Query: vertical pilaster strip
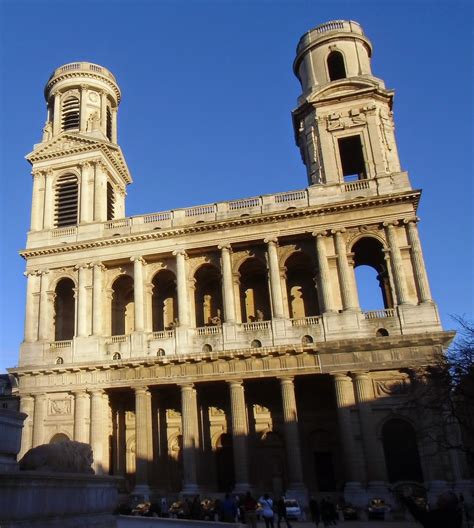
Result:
[100,192]
[86,201]
[83,113]
[141,437]
[344,401]
[324,275]
[82,312]
[397,263]
[97,298]
[38,419]
[114,125]
[45,320]
[188,412]
[81,415]
[27,406]
[103,112]
[419,269]
[182,286]
[227,286]
[239,435]
[57,113]
[138,289]
[31,311]
[348,299]
[97,429]
[37,202]
[292,441]
[275,282]
[48,212]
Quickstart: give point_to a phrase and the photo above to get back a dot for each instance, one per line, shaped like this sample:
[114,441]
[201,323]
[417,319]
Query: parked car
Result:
[349,512]
[293,509]
[377,509]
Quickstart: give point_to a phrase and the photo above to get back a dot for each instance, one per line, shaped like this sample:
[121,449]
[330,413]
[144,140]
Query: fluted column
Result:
[344,401]
[37,201]
[292,440]
[142,422]
[27,406]
[38,419]
[57,113]
[419,269]
[324,275]
[139,293]
[190,437]
[32,305]
[83,114]
[81,416]
[347,287]
[97,429]
[397,263]
[239,435]
[97,299]
[227,286]
[374,458]
[182,287]
[275,282]
[82,283]
[45,311]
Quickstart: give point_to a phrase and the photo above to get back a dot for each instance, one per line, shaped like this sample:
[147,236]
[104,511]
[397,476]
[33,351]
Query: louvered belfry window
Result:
[70,114]
[110,202]
[109,123]
[66,200]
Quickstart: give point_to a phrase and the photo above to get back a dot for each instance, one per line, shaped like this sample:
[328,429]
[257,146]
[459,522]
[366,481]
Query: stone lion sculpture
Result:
[63,457]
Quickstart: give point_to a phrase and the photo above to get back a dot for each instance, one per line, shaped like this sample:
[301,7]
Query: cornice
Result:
[81,74]
[267,218]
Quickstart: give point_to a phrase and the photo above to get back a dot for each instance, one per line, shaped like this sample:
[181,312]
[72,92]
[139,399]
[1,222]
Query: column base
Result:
[190,489]
[435,489]
[378,489]
[355,494]
[298,491]
[464,487]
[241,488]
[141,491]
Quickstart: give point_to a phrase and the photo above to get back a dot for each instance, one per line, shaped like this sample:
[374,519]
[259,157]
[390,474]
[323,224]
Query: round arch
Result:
[164,300]
[58,438]
[301,289]
[64,309]
[208,294]
[254,293]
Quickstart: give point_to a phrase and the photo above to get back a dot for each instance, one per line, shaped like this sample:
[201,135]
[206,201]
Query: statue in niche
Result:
[216,320]
[64,457]
[47,131]
[93,122]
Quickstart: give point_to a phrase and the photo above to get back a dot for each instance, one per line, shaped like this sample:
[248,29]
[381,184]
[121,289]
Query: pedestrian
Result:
[315,511]
[228,509]
[267,510]
[281,512]
[250,510]
[327,512]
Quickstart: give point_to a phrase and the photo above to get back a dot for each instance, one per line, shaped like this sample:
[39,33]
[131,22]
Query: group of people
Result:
[266,507]
[325,511]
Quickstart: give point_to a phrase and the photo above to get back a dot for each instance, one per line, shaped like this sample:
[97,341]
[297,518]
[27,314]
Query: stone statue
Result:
[63,457]
[216,320]
[93,122]
[260,316]
[47,131]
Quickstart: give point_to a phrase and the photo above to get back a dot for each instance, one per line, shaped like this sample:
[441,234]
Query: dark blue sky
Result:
[207,93]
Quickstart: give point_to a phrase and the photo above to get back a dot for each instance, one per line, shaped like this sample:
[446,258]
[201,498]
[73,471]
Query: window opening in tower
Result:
[66,201]
[110,202]
[336,67]
[71,113]
[352,158]
[109,124]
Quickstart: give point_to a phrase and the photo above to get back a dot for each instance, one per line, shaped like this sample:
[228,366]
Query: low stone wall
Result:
[36,499]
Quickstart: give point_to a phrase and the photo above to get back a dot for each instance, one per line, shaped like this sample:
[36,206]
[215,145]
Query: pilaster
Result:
[227,289]
[324,275]
[239,435]
[38,419]
[190,438]
[81,416]
[181,278]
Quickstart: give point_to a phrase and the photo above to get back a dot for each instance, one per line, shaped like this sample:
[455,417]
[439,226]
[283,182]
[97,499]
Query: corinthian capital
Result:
[177,252]
[138,258]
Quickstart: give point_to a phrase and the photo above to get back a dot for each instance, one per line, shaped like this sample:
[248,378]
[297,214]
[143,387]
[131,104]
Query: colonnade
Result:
[91,425]
[91,313]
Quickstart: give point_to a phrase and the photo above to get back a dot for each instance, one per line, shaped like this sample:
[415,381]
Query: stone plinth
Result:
[11,424]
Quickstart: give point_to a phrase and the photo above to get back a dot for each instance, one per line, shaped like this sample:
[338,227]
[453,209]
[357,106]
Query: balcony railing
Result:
[60,344]
[117,339]
[209,330]
[257,325]
[162,334]
[380,314]
[306,321]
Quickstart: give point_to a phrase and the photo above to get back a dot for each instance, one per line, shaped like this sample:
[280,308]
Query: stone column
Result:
[32,306]
[142,422]
[227,286]
[138,292]
[100,192]
[347,286]
[190,438]
[374,458]
[86,199]
[38,419]
[239,435]
[48,212]
[324,275]
[57,113]
[418,261]
[292,440]
[103,112]
[81,416]
[27,406]
[397,263]
[114,125]
[82,312]
[344,401]
[182,286]
[275,282]
[37,202]
[97,299]
[46,299]
[84,91]
[97,430]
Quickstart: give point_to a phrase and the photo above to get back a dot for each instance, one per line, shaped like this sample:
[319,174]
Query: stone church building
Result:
[222,346]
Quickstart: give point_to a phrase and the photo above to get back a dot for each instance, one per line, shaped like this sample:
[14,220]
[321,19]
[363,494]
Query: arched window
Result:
[306,340]
[64,307]
[109,124]
[208,296]
[371,273]
[116,356]
[164,301]
[70,116]
[401,451]
[110,201]
[123,306]
[207,348]
[59,361]
[254,295]
[301,290]
[66,205]
[256,344]
[336,67]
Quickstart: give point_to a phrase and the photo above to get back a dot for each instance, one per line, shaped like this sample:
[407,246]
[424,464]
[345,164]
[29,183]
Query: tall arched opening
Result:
[164,300]
[302,294]
[123,306]
[254,296]
[64,310]
[208,294]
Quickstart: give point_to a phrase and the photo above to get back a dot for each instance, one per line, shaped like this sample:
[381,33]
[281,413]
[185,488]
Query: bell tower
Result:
[343,122]
[79,172]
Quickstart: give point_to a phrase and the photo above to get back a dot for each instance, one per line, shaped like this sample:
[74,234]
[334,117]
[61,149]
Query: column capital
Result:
[84,86]
[319,234]
[225,247]
[235,382]
[99,265]
[286,379]
[39,396]
[80,394]
[391,224]
[182,252]
[97,392]
[85,265]
[32,273]
[37,173]
[85,164]
[360,375]
[338,232]
[186,386]
[343,376]
[411,220]
[138,258]
[271,240]
[142,389]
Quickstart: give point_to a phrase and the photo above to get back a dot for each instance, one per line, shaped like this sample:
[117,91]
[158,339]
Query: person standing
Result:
[281,512]
[250,510]
[228,509]
[267,510]
[315,511]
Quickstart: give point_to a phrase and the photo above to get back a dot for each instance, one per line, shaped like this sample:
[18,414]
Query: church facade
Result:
[222,347]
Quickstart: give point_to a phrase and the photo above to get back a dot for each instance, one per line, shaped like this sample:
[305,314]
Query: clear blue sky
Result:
[205,116]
